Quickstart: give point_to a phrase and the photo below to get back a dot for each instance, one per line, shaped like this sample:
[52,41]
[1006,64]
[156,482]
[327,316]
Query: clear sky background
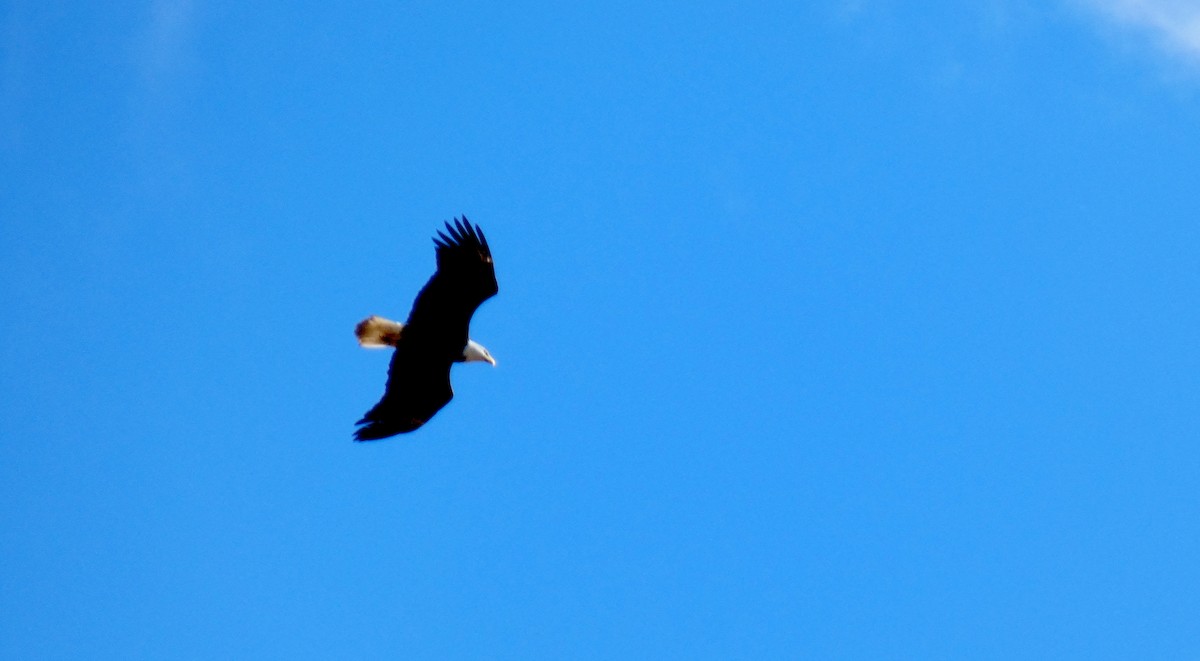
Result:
[846,329]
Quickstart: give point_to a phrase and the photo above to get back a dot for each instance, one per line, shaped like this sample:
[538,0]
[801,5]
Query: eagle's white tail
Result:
[376,332]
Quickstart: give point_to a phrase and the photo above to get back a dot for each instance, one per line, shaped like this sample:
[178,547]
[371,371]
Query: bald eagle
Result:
[434,337]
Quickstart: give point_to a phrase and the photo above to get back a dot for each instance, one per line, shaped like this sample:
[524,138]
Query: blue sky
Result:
[825,330]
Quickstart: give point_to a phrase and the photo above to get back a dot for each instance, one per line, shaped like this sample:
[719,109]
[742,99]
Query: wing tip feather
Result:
[461,232]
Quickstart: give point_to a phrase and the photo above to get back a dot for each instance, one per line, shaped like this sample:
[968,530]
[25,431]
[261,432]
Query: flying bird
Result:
[434,337]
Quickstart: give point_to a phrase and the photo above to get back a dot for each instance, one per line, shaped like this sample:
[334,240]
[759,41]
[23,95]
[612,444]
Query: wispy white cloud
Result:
[165,38]
[1175,24]
[16,46]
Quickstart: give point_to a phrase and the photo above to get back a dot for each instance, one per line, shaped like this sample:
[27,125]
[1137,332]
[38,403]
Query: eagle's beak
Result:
[491,360]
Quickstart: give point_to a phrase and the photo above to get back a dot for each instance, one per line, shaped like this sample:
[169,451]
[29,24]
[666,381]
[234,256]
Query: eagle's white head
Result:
[475,351]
